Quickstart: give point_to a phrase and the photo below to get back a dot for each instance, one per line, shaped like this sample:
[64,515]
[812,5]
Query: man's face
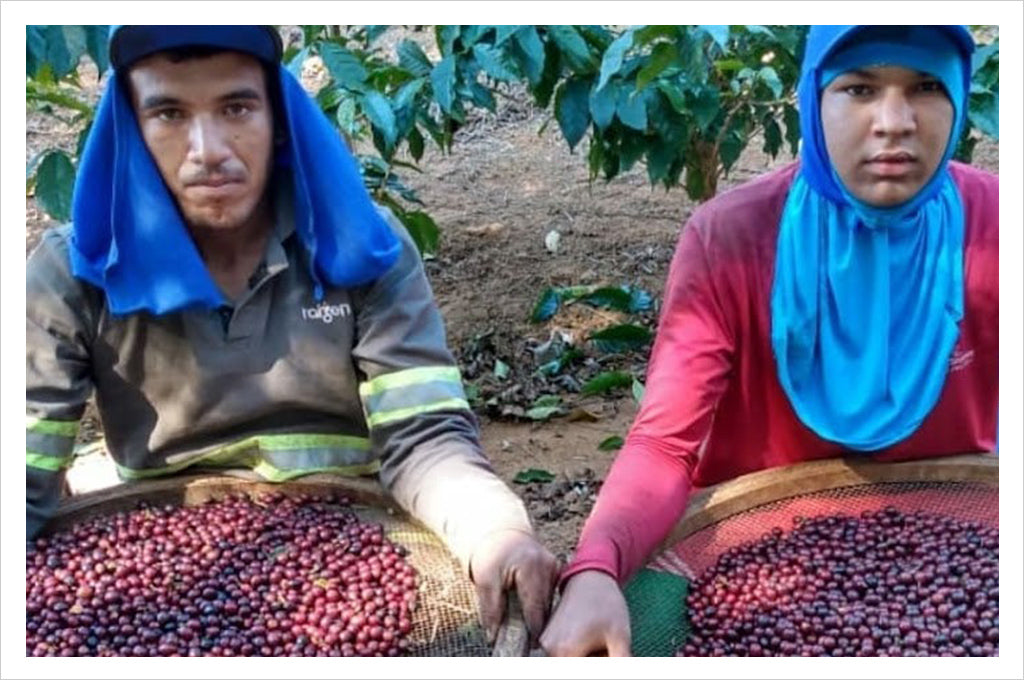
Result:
[886,130]
[208,124]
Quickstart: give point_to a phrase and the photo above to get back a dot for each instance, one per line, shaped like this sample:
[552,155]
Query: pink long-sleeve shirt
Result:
[714,408]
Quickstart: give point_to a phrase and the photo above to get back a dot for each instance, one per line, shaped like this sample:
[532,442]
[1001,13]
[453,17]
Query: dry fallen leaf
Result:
[491,229]
[580,413]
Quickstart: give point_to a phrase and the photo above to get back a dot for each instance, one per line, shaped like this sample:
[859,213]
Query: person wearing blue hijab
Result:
[843,305]
[235,300]
[866,307]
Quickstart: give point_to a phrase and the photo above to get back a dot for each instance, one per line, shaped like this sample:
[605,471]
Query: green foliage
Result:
[613,443]
[546,306]
[55,176]
[52,87]
[621,338]
[606,382]
[609,298]
[53,52]
[616,339]
[571,109]
[612,340]
[501,369]
[558,364]
[629,299]
[684,101]
[423,229]
[545,407]
[638,391]
[983,101]
[531,475]
[396,102]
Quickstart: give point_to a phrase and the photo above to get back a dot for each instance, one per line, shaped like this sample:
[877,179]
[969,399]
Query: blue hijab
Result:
[130,240]
[866,302]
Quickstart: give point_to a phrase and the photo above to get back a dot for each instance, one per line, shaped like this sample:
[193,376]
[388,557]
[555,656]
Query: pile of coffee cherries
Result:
[272,576]
[886,583]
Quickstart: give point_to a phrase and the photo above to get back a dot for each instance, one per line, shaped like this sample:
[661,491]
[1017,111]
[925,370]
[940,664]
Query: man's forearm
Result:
[445,482]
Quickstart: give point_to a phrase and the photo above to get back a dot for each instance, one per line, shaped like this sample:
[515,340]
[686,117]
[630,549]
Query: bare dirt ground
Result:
[496,197]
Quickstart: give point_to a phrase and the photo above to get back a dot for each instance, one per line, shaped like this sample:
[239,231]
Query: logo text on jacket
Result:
[326,313]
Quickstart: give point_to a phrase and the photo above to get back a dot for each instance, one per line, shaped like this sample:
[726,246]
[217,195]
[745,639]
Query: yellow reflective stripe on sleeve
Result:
[247,453]
[410,376]
[263,468]
[63,428]
[284,442]
[278,442]
[51,463]
[398,414]
[273,474]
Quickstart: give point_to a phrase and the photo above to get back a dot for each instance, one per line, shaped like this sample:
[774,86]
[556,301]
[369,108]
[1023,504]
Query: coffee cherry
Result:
[884,583]
[236,577]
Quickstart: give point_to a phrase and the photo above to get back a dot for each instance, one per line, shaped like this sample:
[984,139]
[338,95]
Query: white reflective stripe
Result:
[413,396]
[409,376]
[377,419]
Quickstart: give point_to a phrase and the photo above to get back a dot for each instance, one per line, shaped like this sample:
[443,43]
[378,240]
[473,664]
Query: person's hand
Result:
[513,559]
[591,618]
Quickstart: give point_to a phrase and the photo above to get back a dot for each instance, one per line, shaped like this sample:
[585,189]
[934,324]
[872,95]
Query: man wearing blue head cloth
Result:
[847,304]
[235,300]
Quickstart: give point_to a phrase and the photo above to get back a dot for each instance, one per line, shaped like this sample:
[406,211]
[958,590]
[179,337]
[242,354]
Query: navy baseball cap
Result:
[128,44]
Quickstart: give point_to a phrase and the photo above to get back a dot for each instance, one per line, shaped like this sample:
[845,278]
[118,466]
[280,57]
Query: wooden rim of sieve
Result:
[721,501]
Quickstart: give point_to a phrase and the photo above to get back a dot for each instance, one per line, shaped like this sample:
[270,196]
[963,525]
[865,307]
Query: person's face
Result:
[208,124]
[886,130]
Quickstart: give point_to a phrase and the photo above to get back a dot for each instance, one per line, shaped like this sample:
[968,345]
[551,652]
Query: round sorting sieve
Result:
[445,621]
[743,510]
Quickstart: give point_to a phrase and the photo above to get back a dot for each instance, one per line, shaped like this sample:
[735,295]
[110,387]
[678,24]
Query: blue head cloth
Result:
[128,235]
[866,301]
[942,51]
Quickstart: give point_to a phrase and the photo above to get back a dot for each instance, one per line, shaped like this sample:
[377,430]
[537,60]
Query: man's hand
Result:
[513,559]
[591,618]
